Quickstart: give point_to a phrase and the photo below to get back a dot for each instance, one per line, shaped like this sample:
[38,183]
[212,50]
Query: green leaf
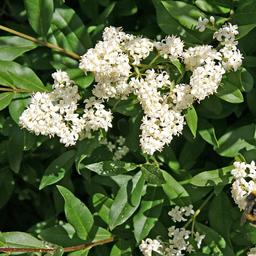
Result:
[5,99]
[59,236]
[186,14]
[152,174]
[7,184]
[17,106]
[57,169]
[230,93]
[39,14]
[233,141]
[102,205]
[215,243]
[126,7]
[168,23]
[213,6]
[111,168]
[148,213]
[22,240]
[219,215]
[216,177]
[246,80]
[20,77]
[207,132]
[126,201]
[80,78]
[77,214]
[68,31]
[245,13]
[15,149]
[192,119]
[121,248]
[245,29]
[12,47]
[174,191]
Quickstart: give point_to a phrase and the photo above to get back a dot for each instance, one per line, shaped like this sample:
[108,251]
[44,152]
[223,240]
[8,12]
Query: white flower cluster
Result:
[170,48]
[179,241]
[252,252]
[116,64]
[203,22]
[179,238]
[179,214]
[244,182]
[209,65]
[54,113]
[119,149]
[150,245]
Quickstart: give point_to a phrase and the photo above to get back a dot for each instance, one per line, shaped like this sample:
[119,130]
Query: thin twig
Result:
[40,42]
[65,249]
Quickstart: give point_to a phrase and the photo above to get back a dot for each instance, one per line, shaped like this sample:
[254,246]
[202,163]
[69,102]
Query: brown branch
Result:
[65,249]
[40,42]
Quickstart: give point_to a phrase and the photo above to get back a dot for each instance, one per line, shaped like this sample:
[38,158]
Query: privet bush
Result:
[127,127]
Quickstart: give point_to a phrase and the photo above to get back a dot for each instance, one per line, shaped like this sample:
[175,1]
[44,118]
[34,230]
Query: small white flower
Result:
[177,214]
[199,238]
[202,23]
[150,245]
[240,170]
[226,33]
[170,48]
[205,80]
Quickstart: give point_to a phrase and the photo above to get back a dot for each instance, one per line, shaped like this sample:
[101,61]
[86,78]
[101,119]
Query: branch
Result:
[65,249]
[40,42]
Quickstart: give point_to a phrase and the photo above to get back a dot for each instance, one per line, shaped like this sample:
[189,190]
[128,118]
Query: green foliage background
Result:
[127,199]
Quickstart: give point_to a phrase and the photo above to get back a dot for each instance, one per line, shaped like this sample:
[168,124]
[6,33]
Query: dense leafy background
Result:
[128,199]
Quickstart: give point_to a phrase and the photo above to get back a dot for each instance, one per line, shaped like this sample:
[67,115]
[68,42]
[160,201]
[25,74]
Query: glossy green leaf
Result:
[166,13]
[233,141]
[77,214]
[111,168]
[207,132]
[148,213]
[213,6]
[22,240]
[20,77]
[12,47]
[68,31]
[230,93]
[213,177]
[174,191]
[17,106]
[5,99]
[126,201]
[39,15]
[191,120]
[80,78]
[57,169]
[102,205]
